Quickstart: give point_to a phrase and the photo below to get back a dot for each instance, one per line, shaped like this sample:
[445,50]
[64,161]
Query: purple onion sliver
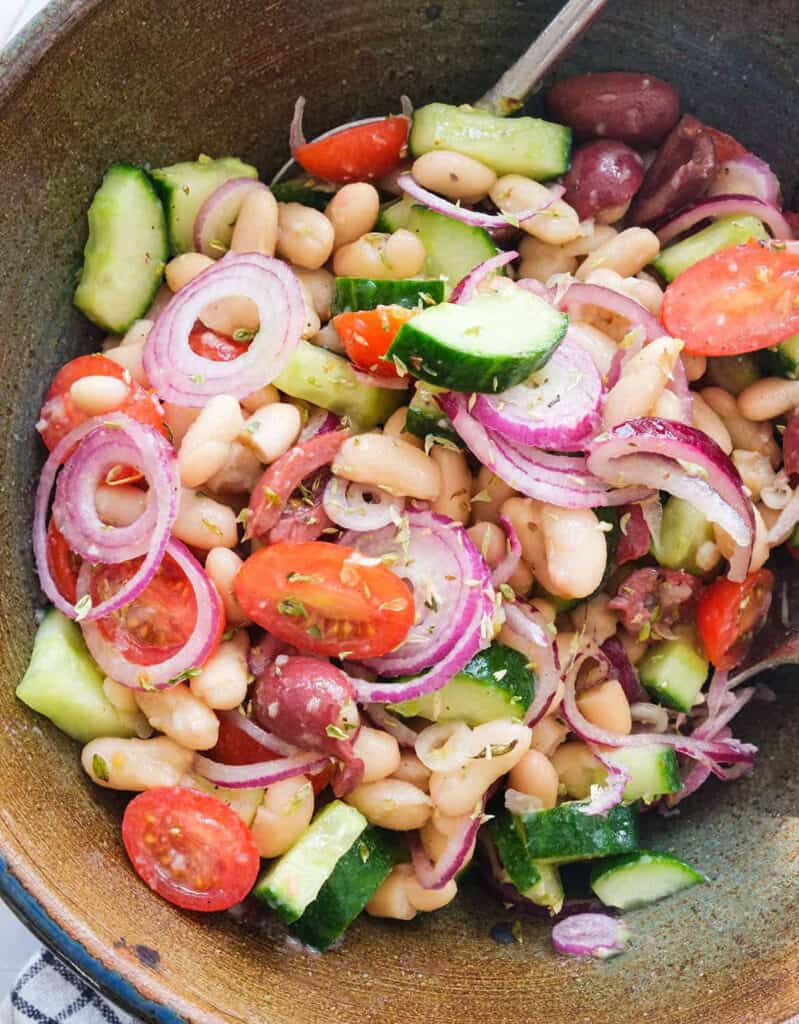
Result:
[452,859]
[264,773]
[474,218]
[726,206]
[746,175]
[510,563]
[296,134]
[622,669]
[216,218]
[383,719]
[596,935]
[465,289]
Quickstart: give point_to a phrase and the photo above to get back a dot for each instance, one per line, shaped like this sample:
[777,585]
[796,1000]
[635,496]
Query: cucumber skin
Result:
[512,852]
[723,233]
[422,423]
[304,192]
[666,769]
[659,679]
[356,294]
[564,834]
[394,215]
[783,359]
[683,530]
[628,862]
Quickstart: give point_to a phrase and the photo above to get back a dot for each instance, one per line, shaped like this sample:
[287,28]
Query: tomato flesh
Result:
[738,300]
[730,614]
[361,153]
[217,347]
[367,336]
[64,564]
[190,848]
[315,596]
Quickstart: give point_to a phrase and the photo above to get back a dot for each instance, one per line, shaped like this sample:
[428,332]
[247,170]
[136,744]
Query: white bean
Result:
[488,496]
[353,211]
[204,523]
[536,776]
[412,770]
[668,407]
[178,713]
[239,474]
[124,700]
[256,224]
[232,316]
[454,497]
[321,286]
[548,735]
[708,421]
[179,418]
[283,816]
[272,430]
[596,619]
[135,765]
[627,253]
[454,175]
[642,381]
[541,261]
[768,398]
[305,236]
[390,899]
[223,680]
[390,464]
[245,802]
[183,269]
[589,239]
[206,444]
[490,541]
[395,427]
[120,505]
[328,338]
[755,471]
[695,366]
[379,752]
[129,357]
[430,899]
[392,804]
[576,550]
[97,394]
[755,437]
[600,346]
[222,566]
[557,224]
[380,256]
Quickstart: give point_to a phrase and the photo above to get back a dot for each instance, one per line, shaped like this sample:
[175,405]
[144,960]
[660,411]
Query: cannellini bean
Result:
[590,238]
[754,437]
[178,713]
[162,299]
[305,236]
[239,474]
[430,899]
[535,775]
[668,407]
[263,396]
[707,556]
[711,423]
[232,316]
[521,580]
[411,769]
[320,285]
[548,735]
[433,841]
[272,430]
[767,398]
[453,175]
[557,224]
[390,464]
[135,765]
[392,803]
[283,816]
[454,497]
[541,261]
[627,253]
[129,357]
[120,505]
[777,494]
[328,338]
[595,619]
[353,211]
[379,752]
[490,541]
[577,768]
[256,224]
[607,707]
[489,494]
[124,700]
[312,321]
[204,523]
[395,427]
[179,418]
[695,366]
[223,680]
[380,256]
[222,566]
[390,899]
[600,346]
[576,550]
[245,802]
[97,394]
[643,380]
[755,470]
[206,444]
[182,270]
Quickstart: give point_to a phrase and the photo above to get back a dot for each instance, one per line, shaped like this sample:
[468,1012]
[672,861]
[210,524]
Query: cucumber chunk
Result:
[63,683]
[425,419]
[294,880]
[734,373]
[722,234]
[185,187]
[355,879]
[564,834]
[782,360]
[315,375]
[521,869]
[125,255]
[359,293]
[509,145]
[487,344]
[305,190]
[548,890]
[653,771]
[635,879]
[682,532]
[496,683]
[394,215]
[674,671]
[452,249]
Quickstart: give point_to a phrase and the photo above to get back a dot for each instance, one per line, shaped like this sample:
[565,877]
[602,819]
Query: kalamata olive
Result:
[604,174]
[680,173]
[626,105]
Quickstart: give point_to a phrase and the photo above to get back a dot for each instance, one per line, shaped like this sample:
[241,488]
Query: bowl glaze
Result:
[161,80]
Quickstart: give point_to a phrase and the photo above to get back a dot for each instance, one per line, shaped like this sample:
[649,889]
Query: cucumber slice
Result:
[496,683]
[564,834]
[523,872]
[359,293]
[509,145]
[635,879]
[63,683]
[783,360]
[683,530]
[294,880]
[723,233]
[125,255]
[674,671]
[452,248]
[734,373]
[425,419]
[394,215]
[488,344]
[185,187]
[306,191]
[653,771]
[355,879]
[315,375]
[548,890]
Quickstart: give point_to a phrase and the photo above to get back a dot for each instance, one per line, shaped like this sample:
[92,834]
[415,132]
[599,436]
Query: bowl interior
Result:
[159,80]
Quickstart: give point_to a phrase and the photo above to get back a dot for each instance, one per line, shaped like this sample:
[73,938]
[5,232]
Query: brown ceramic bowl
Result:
[161,80]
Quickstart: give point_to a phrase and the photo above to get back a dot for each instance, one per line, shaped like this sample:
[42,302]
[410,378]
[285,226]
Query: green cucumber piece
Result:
[425,419]
[125,254]
[674,671]
[734,373]
[653,771]
[512,852]
[294,880]
[394,215]
[487,344]
[564,834]
[452,248]
[548,890]
[63,683]
[353,294]
[782,360]
[354,880]
[509,145]
[307,191]
[496,683]
[185,187]
[721,234]
[683,530]
[315,375]
[635,879]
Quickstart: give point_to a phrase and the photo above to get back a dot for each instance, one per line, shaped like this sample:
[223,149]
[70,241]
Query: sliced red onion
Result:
[786,521]
[455,855]
[726,206]
[579,295]
[621,668]
[474,218]
[359,506]
[296,134]
[557,407]
[180,375]
[611,793]
[216,218]
[590,935]
[510,563]
[670,456]
[653,715]
[536,288]
[268,740]
[746,175]
[383,719]
[149,451]
[372,380]
[263,773]
[652,511]
[320,421]
[530,624]
[194,653]
[465,289]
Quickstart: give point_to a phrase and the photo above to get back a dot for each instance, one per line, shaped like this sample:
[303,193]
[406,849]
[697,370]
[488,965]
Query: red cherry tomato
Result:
[738,300]
[190,848]
[59,414]
[313,596]
[361,153]
[367,336]
[64,563]
[218,347]
[730,614]
[726,147]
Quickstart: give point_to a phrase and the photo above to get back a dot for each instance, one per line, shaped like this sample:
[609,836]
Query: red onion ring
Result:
[216,218]
[579,295]
[465,289]
[474,218]
[536,288]
[193,654]
[320,421]
[296,134]
[725,206]
[604,798]
[746,175]
[510,563]
[621,668]
[531,625]
[454,856]
[345,505]
[263,773]
[268,740]
[181,376]
[383,719]
[596,935]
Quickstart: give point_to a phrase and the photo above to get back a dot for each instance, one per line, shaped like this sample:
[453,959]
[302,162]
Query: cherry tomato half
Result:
[361,153]
[367,336]
[59,414]
[190,848]
[730,614]
[319,598]
[64,564]
[738,300]
[217,347]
